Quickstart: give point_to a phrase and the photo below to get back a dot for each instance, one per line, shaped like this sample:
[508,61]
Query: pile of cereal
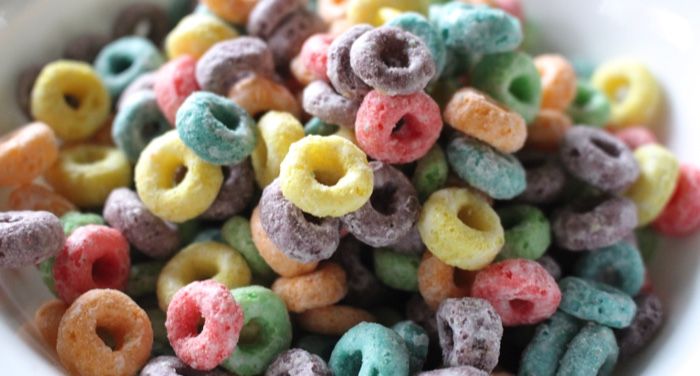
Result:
[348,187]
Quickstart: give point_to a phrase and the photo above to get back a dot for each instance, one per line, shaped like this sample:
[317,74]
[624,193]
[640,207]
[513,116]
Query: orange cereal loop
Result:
[278,261]
[477,115]
[26,153]
[333,320]
[235,11]
[37,197]
[323,287]
[109,313]
[47,319]
[558,81]
[438,281]
[547,130]
[257,94]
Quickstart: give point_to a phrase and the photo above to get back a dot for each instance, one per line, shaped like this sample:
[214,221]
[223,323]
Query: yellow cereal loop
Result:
[658,174]
[70,98]
[387,14]
[633,92]
[200,261]
[326,176]
[346,133]
[278,131]
[173,182]
[460,229]
[86,174]
[195,34]
[370,11]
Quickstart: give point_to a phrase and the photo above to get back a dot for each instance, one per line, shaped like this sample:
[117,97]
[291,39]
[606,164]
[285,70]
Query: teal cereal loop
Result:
[548,345]
[138,121]
[416,340]
[597,302]
[527,232]
[397,270]
[316,126]
[619,265]
[593,351]
[419,26]
[369,349]
[125,59]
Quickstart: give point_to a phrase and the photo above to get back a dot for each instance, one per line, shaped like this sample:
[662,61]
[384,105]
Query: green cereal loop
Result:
[619,265]
[46,269]
[396,270]
[512,79]
[590,106]
[597,302]
[648,240]
[188,231]
[369,349]
[548,345]
[318,127]
[593,348]
[267,331]
[72,220]
[142,278]
[431,172]
[317,344]
[527,232]
[416,340]
[236,232]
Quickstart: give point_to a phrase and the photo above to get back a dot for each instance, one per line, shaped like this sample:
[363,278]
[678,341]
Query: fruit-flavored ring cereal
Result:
[512,79]
[236,232]
[298,362]
[314,55]
[646,323]
[235,193]
[641,99]
[527,232]
[23,87]
[47,319]
[195,34]
[151,235]
[144,82]
[548,345]
[437,281]
[174,82]
[370,348]
[594,349]
[636,136]
[73,220]
[326,176]
[339,70]
[475,114]
[392,61]
[545,177]
[590,106]
[499,175]
[146,20]
[223,320]
[558,81]
[199,261]
[138,121]
[364,289]
[142,278]
[323,287]
[229,61]
[397,270]
[390,212]
[416,341]
[267,331]
[318,127]
[368,11]
[658,176]
[269,14]
[26,153]
[216,129]
[398,129]
[277,131]
[521,291]
[258,95]
[86,174]
[547,130]
[619,265]
[156,177]
[418,25]
[322,101]
[470,333]
[29,237]
[286,41]
[597,302]
[458,371]
[410,244]
[430,173]
[85,47]
[297,236]
[679,217]
[236,11]
[166,365]
[460,229]
[598,158]
[70,98]
[118,315]
[123,60]
[273,256]
[594,223]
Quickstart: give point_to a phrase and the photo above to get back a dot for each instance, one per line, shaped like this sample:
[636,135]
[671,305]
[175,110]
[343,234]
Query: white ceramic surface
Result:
[663,33]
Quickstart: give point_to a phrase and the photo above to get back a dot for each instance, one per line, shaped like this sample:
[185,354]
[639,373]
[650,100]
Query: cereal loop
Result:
[38,197]
[558,81]
[195,34]
[277,132]
[323,287]
[257,95]
[438,281]
[47,320]
[26,153]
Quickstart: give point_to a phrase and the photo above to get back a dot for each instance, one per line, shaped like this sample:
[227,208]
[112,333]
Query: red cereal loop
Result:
[314,55]
[680,217]
[223,320]
[397,129]
[635,137]
[520,290]
[93,257]
[175,81]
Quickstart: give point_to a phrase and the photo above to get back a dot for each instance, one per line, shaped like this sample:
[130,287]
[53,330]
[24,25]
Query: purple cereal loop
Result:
[409,244]
[298,362]
[339,70]
[646,322]
[322,101]
[364,289]
[166,365]
[28,237]
[85,47]
[235,193]
[142,19]
[286,41]
[269,14]
[545,178]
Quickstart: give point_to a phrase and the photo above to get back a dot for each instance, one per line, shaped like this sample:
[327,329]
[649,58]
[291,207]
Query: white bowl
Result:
[663,33]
